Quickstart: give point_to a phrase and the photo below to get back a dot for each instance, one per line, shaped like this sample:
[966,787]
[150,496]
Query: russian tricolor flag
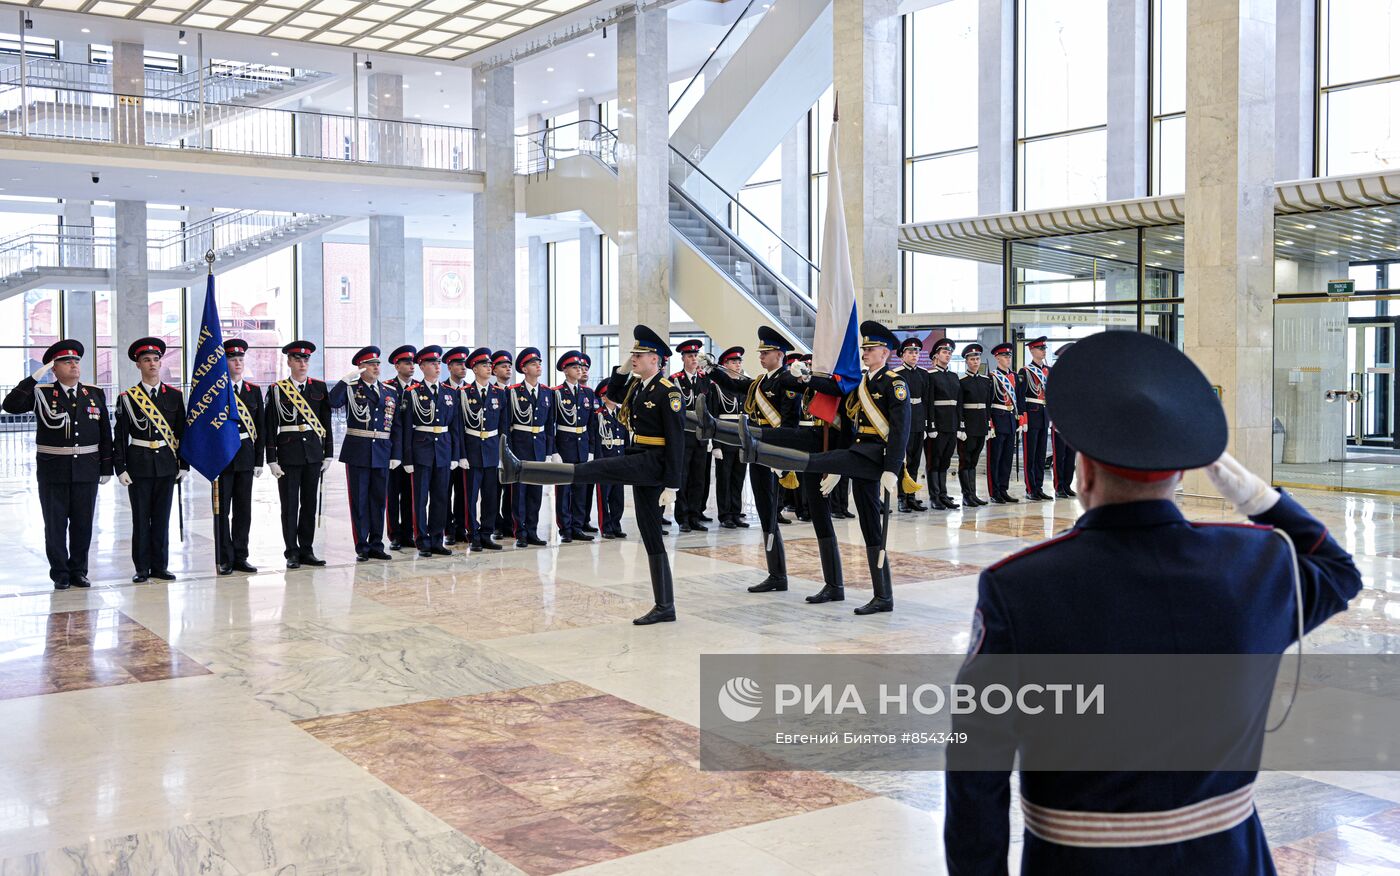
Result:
[836,346]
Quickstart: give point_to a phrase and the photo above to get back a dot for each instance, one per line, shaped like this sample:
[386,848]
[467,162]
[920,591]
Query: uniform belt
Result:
[299,427]
[572,430]
[1002,407]
[868,430]
[365,433]
[242,435]
[650,440]
[734,417]
[482,435]
[533,430]
[432,430]
[974,406]
[613,442]
[945,401]
[149,445]
[49,450]
[916,401]
[1126,829]
[1035,401]
[810,424]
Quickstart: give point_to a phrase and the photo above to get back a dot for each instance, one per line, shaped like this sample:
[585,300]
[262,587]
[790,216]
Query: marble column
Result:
[386,142]
[537,308]
[129,86]
[311,294]
[796,220]
[1295,67]
[195,248]
[590,278]
[1127,98]
[493,211]
[868,76]
[1230,216]
[996,130]
[386,277]
[130,310]
[80,317]
[587,112]
[644,226]
[413,293]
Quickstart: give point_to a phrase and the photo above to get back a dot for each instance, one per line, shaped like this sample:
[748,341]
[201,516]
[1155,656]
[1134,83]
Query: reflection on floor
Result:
[498,713]
[1369,469]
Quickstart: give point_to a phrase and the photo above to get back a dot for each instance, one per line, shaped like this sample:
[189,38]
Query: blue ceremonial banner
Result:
[211,428]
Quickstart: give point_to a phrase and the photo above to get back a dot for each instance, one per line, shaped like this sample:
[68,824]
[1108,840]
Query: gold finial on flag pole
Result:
[209,257]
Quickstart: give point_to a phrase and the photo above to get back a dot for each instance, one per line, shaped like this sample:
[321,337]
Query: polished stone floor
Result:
[498,713]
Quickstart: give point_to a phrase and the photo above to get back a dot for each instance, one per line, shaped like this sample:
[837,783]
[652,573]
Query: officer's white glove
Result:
[102,481]
[124,479]
[326,465]
[352,374]
[962,436]
[180,475]
[1021,428]
[393,464]
[930,434]
[554,457]
[39,372]
[1246,490]
[257,471]
[453,466]
[795,368]
[408,469]
[829,482]
[462,464]
[889,486]
[991,433]
[276,469]
[626,366]
[717,453]
[668,496]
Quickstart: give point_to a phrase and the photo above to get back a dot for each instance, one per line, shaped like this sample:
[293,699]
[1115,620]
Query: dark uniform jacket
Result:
[253,443]
[1030,392]
[917,379]
[609,436]
[573,413]
[75,425]
[976,397]
[370,436]
[943,400]
[691,388]
[1004,396]
[483,415]
[531,423]
[726,399]
[430,426]
[890,394]
[132,425]
[654,414]
[784,403]
[290,438]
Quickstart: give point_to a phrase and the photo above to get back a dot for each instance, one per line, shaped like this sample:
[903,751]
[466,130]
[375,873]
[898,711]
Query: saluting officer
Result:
[976,398]
[483,415]
[502,366]
[399,508]
[573,417]
[767,405]
[1133,576]
[609,439]
[878,412]
[694,385]
[1061,454]
[532,438]
[369,450]
[726,405]
[455,529]
[146,453]
[73,442]
[651,408]
[430,441]
[1001,446]
[907,367]
[236,481]
[299,451]
[1030,394]
[943,400]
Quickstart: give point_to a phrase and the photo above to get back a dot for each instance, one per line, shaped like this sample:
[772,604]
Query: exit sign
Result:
[1341,287]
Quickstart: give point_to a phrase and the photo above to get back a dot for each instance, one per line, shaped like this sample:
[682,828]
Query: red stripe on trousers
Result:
[350,500]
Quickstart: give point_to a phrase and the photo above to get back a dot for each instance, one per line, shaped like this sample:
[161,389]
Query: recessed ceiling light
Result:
[87,30]
[418,115]
[580,91]
[545,102]
[1287,243]
[447,106]
[184,42]
[592,54]
[437,72]
[1310,227]
[276,54]
[549,69]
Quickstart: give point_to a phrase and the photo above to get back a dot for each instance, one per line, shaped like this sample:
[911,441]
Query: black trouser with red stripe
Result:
[1001,451]
[399,509]
[610,504]
[1033,452]
[483,502]
[1063,457]
[366,490]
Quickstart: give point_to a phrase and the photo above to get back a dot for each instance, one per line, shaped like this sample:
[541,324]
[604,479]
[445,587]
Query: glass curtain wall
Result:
[1168,158]
[1359,80]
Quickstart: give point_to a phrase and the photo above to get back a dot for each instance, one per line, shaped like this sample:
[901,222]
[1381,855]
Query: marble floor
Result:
[498,713]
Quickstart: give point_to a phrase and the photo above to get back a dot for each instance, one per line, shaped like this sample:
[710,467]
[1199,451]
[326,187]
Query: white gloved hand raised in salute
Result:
[352,374]
[42,370]
[1248,492]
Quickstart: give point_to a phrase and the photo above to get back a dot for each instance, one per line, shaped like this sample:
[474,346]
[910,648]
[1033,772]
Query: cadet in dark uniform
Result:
[1030,395]
[1133,576]
[1001,445]
[400,489]
[726,405]
[502,366]
[694,385]
[483,414]
[299,451]
[583,513]
[455,529]
[943,399]
[1061,453]
[531,415]
[877,412]
[651,408]
[430,440]
[907,367]
[790,486]
[369,450]
[573,418]
[609,439]
[236,481]
[73,440]
[146,454]
[976,408]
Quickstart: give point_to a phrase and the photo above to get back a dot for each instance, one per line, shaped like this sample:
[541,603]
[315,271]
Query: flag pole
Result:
[214,484]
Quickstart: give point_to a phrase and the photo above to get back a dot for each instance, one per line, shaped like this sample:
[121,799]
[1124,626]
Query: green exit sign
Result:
[1341,287]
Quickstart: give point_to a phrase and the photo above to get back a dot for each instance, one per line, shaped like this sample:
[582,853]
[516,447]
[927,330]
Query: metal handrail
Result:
[711,56]
[223,80]
[536,151]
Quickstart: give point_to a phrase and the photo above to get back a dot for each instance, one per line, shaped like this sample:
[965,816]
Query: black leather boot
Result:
[880,580]
[967,479]
[777,564]
[834,589]
[943,492]
[546,473]
[665,609]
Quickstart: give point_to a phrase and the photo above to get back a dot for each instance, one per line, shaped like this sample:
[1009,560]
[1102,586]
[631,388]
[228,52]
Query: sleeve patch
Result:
[901,392]
[979,632]
[675,402]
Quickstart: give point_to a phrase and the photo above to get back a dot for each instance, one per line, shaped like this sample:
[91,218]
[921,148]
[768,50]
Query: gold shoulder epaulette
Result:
[667,383]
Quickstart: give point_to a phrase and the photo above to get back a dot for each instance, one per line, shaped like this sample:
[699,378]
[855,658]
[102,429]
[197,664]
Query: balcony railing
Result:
[224,82]
[139,120]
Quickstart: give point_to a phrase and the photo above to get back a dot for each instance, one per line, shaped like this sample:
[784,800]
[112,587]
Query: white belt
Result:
[242,435]
[734,417]
[66,451]
[974,406]
[533,430]
[1002,407]
[149,445]
[1035,401]
[613,442]
[572,430]
[482,435]
[916,401]
[810,423]
[1066,827]
[365,433]
[299,427]
[432,430]
[945,401]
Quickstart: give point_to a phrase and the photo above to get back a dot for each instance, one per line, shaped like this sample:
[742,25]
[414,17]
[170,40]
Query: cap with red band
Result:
[481,355]
[403,354]
[303,349]
[64,349]
[144,346]
[572,357]
[365,355]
